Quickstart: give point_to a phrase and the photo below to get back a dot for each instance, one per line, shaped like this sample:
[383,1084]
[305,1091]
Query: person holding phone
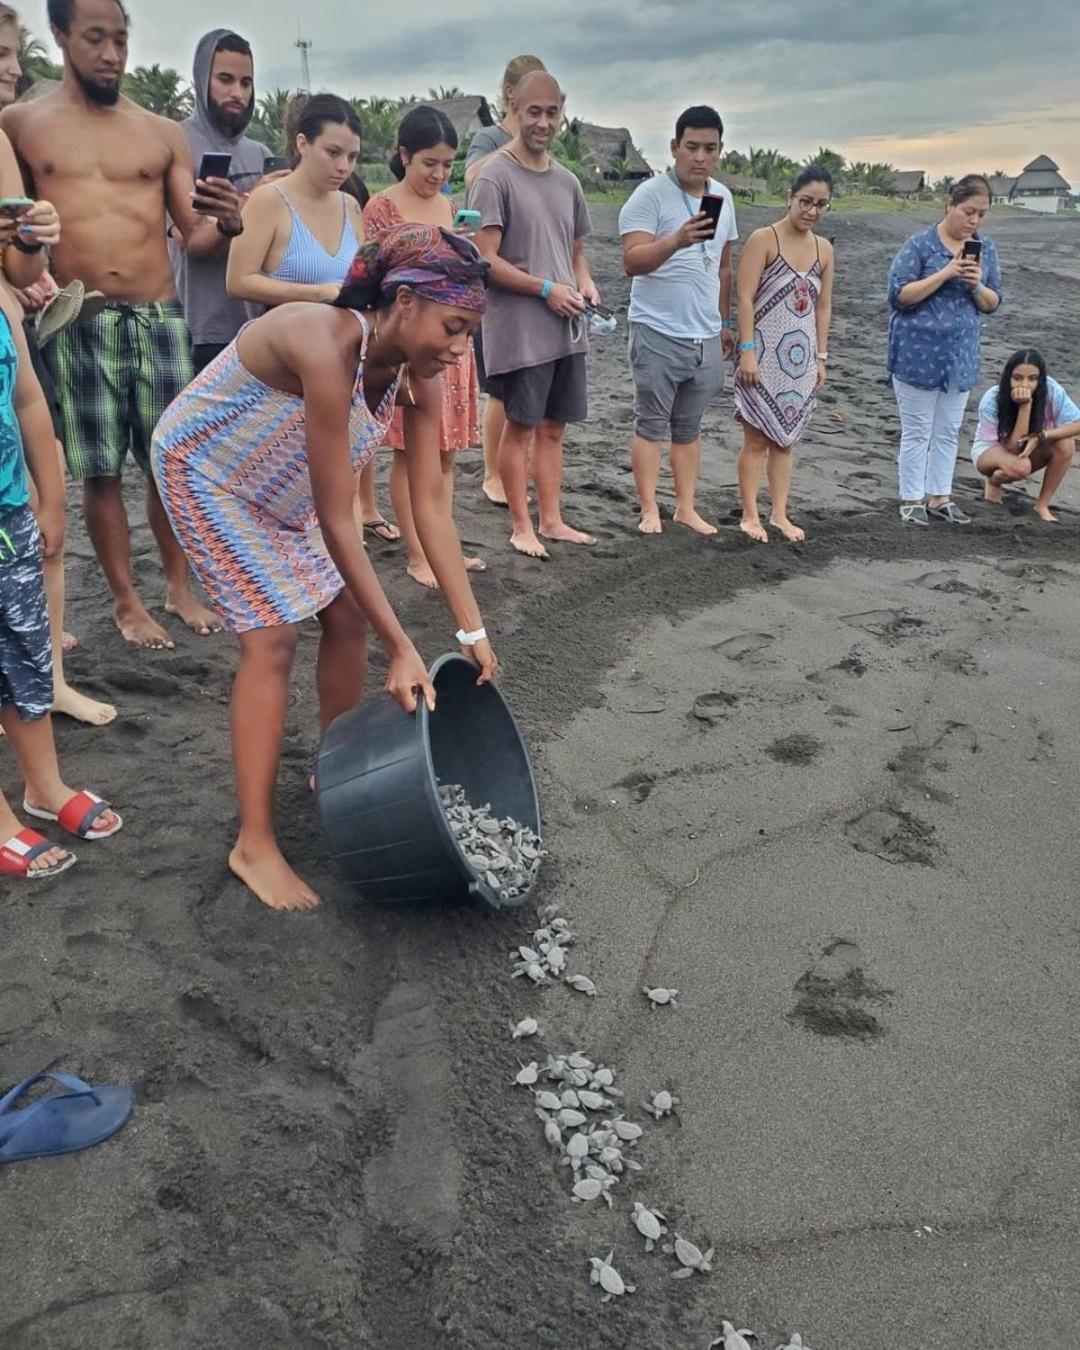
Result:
[942,284]
[116,173]
[422,164]
[1027,423]
[256,461]
[223,83]
[677,231]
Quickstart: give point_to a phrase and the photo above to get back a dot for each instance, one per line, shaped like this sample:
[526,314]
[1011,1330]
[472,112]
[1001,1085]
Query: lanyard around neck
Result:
[692,211]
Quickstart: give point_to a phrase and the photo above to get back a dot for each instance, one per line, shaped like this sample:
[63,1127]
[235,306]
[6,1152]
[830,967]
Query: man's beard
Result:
[229,123]
[104,95]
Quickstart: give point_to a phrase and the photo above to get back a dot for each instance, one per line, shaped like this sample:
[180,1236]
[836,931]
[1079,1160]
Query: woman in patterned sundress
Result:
[785,307]
[254,463]
[422,164]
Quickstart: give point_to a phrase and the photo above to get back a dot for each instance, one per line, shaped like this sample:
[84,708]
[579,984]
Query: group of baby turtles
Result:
[581,1109]
[505,853]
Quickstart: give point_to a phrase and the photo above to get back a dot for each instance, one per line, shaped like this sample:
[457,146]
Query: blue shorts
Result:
[26,676]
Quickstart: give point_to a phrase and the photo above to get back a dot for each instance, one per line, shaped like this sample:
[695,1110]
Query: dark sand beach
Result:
[825,791]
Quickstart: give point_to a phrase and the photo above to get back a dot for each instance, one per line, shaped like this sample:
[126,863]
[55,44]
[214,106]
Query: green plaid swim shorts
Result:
[115,375]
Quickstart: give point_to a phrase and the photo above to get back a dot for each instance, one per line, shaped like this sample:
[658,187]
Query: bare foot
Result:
[421,572]
[525,541]
[197,617]
[138,628]
[1044,513]
[992,490]
[75,705]
[693,521]
[267,873]
[69,642]
[475,564]
[791,532]
[494,491]
[56,801]
[754,529]
[650,521]
[49,861]
[566,534]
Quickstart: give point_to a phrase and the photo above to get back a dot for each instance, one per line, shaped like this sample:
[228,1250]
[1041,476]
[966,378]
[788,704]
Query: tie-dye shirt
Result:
[1060,411]
[13,488]
[935,344]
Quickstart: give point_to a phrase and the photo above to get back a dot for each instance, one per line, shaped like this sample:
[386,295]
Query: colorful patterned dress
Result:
[781,403]
[230,461]
[460,426]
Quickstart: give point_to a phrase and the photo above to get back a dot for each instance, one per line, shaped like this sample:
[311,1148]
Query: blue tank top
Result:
[306,262]
[13,487]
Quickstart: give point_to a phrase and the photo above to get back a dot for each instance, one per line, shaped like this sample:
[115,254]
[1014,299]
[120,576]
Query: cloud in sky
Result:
[922,84]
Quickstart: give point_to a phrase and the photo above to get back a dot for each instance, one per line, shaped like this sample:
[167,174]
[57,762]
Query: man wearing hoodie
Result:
[224,85]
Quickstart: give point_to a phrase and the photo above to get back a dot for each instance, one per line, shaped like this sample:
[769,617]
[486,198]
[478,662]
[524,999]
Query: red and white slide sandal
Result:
[21,850]
[77,816]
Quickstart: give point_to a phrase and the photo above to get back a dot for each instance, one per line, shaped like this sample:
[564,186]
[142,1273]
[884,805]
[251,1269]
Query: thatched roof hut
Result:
[907,183]
[1001,188]
[610,153]
[37,89]
[1041,179]
[468,113]
[740,185]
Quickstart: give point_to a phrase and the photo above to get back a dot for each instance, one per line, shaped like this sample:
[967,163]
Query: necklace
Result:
[691,211]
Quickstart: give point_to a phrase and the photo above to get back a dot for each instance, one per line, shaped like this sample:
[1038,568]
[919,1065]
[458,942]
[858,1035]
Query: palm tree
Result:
[943,186]
[379,118]
[33,57]
[268,122]
[160,91]
[775,167]
[832,160]
[444,95]
[732,161]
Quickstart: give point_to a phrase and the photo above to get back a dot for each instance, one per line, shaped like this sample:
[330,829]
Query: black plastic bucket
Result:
[377,787]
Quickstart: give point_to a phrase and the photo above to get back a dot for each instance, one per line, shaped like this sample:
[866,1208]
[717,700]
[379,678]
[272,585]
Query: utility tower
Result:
[303,45]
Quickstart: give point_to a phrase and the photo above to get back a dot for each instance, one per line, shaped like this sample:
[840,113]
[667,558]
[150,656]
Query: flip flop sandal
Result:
[21,850]
[77,816]
[378,526]
[949,511]
[914,514]
[66,1122]
[63,309]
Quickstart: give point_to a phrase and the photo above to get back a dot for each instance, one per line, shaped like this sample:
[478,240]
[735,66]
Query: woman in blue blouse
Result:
[938,298]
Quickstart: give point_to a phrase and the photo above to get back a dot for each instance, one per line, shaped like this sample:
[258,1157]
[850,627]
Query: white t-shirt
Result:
[682,297]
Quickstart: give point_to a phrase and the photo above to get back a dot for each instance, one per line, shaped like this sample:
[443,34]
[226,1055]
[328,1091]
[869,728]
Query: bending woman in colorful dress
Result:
[255,462]
[1027,422]
[422,163]
[785,308]
[938,297]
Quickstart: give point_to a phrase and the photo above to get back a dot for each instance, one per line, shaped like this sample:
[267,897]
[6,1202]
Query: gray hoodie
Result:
[211,315]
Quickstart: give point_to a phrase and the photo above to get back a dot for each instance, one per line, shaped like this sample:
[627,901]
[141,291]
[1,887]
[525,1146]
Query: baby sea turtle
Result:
[592,1101]
[608,1278]
[660,997]
[547,1101]
[730,1339]
[661,1104]
[690,1258]
[594,1188]
[552,1131]
[796,1343]
[568,1118]
[528,1026]
[625,1129]
[527,1075]
[533,970]
[649,1225]
[577,1150]
[582,984]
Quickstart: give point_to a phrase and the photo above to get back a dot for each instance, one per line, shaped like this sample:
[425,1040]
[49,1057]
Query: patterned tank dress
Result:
[781,403]
[230,462]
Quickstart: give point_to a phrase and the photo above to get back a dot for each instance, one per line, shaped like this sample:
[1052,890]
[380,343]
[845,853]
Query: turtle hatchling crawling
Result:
[730,1339]
[661,1104]
[528,1026]
[796,1343]
[690,1258]
[594,1188]
[608,1278]
[649,1225]
[659,997]
[582,984]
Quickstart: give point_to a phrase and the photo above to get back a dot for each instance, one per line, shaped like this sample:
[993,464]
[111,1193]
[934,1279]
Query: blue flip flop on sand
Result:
[65,1122]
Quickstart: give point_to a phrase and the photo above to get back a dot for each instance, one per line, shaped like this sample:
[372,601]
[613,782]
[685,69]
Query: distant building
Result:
[907,183]
[610,153]
[1040,187]
[740,185]
[1001,189]
[468,113]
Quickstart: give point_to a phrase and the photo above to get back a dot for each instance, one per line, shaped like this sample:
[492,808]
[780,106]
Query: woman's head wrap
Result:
[434,263]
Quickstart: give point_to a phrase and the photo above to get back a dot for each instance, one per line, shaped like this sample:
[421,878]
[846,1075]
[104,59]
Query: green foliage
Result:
[268,122]
[444,95]
[832,160]
[159,90]
[34,59]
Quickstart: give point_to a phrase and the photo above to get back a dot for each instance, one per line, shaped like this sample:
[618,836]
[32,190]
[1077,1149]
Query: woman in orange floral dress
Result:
[427,145]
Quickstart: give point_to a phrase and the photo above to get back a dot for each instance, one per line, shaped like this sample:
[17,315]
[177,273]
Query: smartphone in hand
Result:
[14,206]
[712,206]
[467,220]
[972,250]
[211,166]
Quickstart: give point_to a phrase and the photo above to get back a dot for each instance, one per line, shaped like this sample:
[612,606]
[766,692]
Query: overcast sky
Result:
[916,82]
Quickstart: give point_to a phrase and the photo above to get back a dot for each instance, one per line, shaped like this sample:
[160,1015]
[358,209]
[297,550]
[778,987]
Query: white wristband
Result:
[471,639]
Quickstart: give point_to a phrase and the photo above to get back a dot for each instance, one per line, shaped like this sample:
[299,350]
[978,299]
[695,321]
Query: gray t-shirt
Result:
[486,140]
[541,215]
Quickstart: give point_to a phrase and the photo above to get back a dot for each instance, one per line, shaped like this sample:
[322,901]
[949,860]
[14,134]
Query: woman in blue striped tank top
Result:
[301,234]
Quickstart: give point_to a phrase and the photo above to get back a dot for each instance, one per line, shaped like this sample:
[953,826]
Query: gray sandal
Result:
[914,513]
[949,511]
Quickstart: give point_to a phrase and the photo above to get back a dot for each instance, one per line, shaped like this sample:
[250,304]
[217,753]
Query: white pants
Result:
[929,436]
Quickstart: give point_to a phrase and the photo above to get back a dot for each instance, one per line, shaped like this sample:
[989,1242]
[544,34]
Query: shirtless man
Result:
[113,172]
